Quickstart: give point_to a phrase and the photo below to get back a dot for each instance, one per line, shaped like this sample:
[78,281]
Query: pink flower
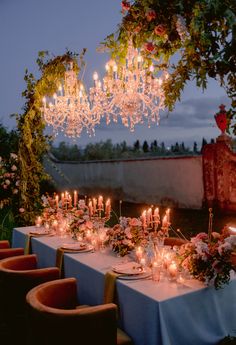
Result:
[21,210]
[15,191]
[13,168]
[215,235]
[149,46]
[17,183]
[135,222]
[7,175]
[150,15]
[4,186]
[160,30]
[138,28]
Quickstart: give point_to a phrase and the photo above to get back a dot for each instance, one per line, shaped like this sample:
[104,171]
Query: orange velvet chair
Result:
[9,252]
[18,275]
[4,244]
[54,318]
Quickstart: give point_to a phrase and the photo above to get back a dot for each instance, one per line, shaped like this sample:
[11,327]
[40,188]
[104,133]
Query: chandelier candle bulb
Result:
[94,205]
[100,203]
[62,199]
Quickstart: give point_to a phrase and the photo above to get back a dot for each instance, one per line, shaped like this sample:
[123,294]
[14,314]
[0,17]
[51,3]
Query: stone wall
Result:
[175,181]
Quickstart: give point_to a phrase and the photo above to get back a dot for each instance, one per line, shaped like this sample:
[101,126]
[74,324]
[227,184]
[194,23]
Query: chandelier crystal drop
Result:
[131,92]
[69,109]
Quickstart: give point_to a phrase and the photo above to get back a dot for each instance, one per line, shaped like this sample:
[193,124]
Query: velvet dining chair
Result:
[4,244]
[18,275]
[53,309]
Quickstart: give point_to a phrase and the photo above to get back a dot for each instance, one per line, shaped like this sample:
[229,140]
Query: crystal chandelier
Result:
[131,92]
[69,109]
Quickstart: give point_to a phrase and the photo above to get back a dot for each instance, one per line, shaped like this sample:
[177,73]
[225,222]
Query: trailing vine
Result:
[33,144]
[199,34]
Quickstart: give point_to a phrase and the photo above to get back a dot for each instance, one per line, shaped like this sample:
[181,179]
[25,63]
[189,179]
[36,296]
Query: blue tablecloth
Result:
[151,313]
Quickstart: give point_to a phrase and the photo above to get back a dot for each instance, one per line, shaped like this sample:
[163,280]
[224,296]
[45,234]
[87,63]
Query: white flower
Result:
[7,182]
[224,247]
[13,156]
[128,233]
[82,204]
[17,183]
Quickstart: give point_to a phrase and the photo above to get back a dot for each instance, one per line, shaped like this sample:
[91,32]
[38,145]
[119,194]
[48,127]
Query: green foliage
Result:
[8,142]
[32,142]
[105,150]
[200,34]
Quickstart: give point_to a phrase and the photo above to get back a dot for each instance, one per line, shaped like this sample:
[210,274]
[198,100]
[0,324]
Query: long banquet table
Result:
[151,313]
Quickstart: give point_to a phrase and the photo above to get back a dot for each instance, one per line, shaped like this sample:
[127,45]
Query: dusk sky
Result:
[28,26]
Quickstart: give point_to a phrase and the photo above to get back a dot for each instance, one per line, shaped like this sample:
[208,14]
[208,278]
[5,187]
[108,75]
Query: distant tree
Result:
[176,148]
[195,149]
[163,148]
[137,145]
[124,147]
[182,148]
[145,146]
[204,142]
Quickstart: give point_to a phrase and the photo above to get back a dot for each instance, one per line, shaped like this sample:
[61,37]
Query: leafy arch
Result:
[33,144]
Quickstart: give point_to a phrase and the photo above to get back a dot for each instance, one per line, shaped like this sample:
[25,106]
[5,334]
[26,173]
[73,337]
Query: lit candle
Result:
[144,218]
[75,198]
[108,208]
[139,253]
[156,215]
[57,200]
[54,224]
[149,217]
[70,201]
[100,203]
[62,199]
[232,230]
[38,221]
[172,269]
[94,205]
[88,235]
[90,206]
[168,215]
[164,222]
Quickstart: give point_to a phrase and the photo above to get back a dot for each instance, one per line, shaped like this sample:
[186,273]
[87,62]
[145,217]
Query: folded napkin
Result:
[110,287]
[60,261]
[28,245]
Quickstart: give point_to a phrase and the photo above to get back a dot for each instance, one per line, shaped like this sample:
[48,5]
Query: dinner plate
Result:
[144,275]
[128,268]
[80,247]
[40,232]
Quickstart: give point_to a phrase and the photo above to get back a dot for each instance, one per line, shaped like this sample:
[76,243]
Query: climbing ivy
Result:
[33,144]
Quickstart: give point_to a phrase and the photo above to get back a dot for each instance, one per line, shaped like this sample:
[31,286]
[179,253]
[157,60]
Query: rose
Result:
[21,210]
[160,30]
[13,168]
[15,191]
[138,28]
[125,6]
[135,222]
[149,46]
[150,15]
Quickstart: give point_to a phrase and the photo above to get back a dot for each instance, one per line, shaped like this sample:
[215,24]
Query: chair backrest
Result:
[52,308]
[8,252]
[18,275]
[4,244]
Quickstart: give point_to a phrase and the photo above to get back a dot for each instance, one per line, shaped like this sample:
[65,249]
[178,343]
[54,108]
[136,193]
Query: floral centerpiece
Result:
[123,237]
[209,260]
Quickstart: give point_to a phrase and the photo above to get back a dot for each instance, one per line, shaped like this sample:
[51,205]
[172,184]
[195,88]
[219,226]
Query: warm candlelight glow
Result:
[232,230]
[75,198]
